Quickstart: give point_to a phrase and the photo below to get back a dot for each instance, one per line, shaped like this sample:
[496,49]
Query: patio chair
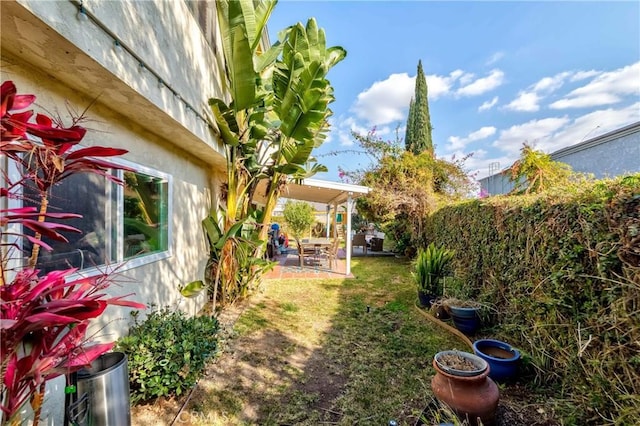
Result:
[307,251]
[359,240]
[331,253]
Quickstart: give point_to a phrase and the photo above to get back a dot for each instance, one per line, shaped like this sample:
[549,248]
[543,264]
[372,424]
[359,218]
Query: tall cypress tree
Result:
[408,137]
[418,135]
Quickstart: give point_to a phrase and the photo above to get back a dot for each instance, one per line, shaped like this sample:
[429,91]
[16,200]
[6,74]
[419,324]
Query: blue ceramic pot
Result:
[465,319]
[503,360]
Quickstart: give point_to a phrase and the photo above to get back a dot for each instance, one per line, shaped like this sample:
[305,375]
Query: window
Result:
[119,223]
[145,214]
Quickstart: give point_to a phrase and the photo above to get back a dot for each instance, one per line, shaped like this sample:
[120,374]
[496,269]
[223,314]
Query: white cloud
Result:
[481,164]
[526,101]
[586,101]
[441,85]
[482,85]
[341,129]
[346,139]
[552,134]
[495,58]
[457,143]
[550,84]
[533,132]
[388,100]
[385,101]
[591,125]
[583,75]
[466,78]
[488,104]
[605,89]
[529,100]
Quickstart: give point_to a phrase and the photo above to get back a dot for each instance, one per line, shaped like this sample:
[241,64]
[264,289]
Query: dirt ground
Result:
[260,364]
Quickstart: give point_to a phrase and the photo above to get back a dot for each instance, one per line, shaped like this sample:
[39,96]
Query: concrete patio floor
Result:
[289,265]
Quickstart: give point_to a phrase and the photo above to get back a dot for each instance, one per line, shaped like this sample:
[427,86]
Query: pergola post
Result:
[327,220]
[347,237]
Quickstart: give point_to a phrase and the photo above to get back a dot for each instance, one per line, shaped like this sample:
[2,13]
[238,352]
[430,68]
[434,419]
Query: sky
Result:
[499,74]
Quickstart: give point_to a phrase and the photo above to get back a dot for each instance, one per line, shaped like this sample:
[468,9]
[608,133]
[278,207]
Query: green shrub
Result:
[167,353]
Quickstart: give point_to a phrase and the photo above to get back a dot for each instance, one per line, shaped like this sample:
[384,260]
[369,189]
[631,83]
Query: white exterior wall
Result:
[155,283]
[48,52]
[81,54]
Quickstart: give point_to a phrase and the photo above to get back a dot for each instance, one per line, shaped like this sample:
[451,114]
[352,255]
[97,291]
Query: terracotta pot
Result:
[470,397]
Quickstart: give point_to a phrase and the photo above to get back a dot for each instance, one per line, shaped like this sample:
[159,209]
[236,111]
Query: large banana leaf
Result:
[262,11]
[226,121]
[241,26]
[301,92]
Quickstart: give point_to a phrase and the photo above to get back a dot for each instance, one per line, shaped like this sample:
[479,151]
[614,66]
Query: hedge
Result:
[562,271]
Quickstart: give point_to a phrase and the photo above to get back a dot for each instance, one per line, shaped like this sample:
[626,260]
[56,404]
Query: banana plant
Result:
[277,113]
[302,95]
[247,266]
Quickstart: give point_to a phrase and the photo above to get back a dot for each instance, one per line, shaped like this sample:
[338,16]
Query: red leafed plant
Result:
[43,317]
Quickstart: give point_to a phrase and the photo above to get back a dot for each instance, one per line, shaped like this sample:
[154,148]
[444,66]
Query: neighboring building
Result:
[611,154]
[150,66]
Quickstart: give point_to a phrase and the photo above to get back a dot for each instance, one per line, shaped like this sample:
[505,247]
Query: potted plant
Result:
[503,359]
[465,314]
[430,267]
[462,383]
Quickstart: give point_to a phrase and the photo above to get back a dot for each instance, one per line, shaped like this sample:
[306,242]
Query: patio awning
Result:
[325,192]
[322,191]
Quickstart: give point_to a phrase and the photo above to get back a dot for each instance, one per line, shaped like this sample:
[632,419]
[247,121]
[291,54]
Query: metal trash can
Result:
[106,384]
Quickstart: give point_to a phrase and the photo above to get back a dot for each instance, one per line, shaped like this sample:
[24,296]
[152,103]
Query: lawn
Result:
[311,352]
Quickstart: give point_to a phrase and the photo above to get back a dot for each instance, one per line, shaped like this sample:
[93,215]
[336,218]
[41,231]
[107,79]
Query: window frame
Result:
[135,262]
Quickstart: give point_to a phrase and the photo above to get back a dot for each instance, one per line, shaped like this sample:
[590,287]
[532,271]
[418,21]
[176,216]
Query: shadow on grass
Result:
[310,352]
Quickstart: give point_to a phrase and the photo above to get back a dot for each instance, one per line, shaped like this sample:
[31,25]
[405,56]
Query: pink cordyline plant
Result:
[44,318]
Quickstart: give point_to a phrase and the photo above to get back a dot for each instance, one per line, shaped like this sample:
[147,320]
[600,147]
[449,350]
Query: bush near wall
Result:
[563,274]
[167,353]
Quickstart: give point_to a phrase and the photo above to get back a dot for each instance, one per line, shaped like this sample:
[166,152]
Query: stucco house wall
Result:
[612,154]
[147,70]
[157,110]
[148,94]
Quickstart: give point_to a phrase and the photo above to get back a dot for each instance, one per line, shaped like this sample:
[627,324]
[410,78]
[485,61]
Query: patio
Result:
[289,265]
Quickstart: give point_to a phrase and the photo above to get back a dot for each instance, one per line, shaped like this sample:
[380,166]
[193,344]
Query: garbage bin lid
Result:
[102,365]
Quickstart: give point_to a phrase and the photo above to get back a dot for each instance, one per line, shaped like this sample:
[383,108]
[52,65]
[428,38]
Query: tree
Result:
[535,171]
[299,217]
[405,188]
[418,134]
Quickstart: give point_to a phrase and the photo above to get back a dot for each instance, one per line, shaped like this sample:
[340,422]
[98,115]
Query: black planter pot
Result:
[466,320]
[425,299]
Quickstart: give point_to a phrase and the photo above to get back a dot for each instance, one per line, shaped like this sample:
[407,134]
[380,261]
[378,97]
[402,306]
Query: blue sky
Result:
[499,73]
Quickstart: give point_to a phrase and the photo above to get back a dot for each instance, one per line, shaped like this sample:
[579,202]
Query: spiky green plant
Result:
[430,266]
